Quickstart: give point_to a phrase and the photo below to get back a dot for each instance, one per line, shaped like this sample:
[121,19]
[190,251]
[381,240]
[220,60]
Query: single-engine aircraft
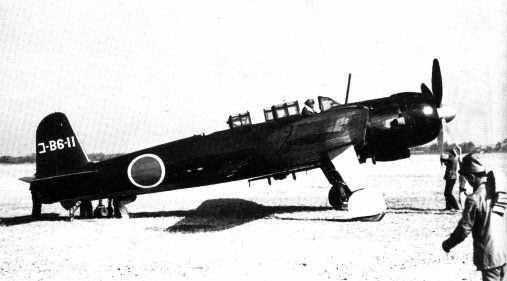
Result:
[286,143]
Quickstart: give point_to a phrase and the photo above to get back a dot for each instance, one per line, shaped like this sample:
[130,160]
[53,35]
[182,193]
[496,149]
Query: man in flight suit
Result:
[484,216]
[450,176]
[308,108]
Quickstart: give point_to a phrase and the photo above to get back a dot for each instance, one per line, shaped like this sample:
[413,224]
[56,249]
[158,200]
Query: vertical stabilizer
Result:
[57,148]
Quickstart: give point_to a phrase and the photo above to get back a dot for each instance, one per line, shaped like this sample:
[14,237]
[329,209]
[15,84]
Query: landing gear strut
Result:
[339,193]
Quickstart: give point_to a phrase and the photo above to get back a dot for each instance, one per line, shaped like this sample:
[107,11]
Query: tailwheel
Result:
[339,196]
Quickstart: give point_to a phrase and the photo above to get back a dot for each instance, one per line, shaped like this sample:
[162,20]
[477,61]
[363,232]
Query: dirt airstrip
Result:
[235,232]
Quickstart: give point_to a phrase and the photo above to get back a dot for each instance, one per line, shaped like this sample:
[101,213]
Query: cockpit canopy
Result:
[278,111]
[326,103]
[239,120]
[282,110]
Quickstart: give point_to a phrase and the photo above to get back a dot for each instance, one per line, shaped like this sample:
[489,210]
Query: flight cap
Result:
[471,164]
[309,102]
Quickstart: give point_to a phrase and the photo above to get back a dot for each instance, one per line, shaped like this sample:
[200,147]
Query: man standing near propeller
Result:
[451,168]
[446,114]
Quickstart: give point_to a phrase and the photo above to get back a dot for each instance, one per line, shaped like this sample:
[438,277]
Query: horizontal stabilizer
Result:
[78,174]
[27,179]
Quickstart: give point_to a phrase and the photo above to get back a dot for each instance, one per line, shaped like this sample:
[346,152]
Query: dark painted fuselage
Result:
[275,147]
[382,129]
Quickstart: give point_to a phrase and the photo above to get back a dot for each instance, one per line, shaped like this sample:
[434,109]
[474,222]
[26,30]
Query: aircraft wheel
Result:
[337,197]
[67,205]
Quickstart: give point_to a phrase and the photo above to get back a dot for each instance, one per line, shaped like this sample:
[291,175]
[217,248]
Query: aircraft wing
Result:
[349,126]
[326,134]
[336,128]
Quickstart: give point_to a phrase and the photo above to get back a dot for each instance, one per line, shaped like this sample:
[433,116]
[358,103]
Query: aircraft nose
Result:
[447,113]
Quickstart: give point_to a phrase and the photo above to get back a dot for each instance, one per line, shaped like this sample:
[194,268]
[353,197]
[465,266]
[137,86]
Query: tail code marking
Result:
[58,144]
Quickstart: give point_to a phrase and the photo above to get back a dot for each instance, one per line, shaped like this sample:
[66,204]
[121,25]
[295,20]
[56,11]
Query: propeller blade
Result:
[441,137]
[436,82]
[440,140]
[425,90]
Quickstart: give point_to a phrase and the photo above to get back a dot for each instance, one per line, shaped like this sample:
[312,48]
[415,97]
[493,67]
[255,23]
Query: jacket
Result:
[451,166]
[308,111]
[489,229]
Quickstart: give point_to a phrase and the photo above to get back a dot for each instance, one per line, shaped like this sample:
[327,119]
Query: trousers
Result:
[450,200]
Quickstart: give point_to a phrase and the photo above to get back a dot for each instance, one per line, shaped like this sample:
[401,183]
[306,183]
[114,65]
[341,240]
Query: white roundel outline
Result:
[162,176]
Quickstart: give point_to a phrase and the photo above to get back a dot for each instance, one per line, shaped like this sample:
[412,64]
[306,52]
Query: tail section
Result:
[57,148]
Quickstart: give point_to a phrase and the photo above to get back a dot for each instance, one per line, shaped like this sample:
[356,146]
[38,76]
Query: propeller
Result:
[445,113]
[441,137]
[436,83]
[425,90]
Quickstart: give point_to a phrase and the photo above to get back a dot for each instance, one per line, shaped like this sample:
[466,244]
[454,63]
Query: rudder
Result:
[57,148]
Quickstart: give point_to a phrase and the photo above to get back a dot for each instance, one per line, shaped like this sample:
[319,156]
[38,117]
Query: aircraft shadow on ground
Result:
[211,215]
[222,214]
[10,221]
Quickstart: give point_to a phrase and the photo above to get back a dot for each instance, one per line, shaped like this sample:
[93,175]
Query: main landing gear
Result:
[339,193]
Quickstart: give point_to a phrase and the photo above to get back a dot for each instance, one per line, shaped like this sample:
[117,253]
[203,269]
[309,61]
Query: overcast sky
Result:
[132,74]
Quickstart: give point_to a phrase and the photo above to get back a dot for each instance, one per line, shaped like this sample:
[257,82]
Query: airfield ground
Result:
[233,232]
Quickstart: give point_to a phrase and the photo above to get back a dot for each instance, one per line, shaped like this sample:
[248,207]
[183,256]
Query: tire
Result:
[337,197]
[67,205]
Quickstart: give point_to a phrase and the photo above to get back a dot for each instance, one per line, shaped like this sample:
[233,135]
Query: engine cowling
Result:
[384,153]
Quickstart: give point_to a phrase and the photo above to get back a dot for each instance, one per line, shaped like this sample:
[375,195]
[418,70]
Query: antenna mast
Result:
[348,87]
